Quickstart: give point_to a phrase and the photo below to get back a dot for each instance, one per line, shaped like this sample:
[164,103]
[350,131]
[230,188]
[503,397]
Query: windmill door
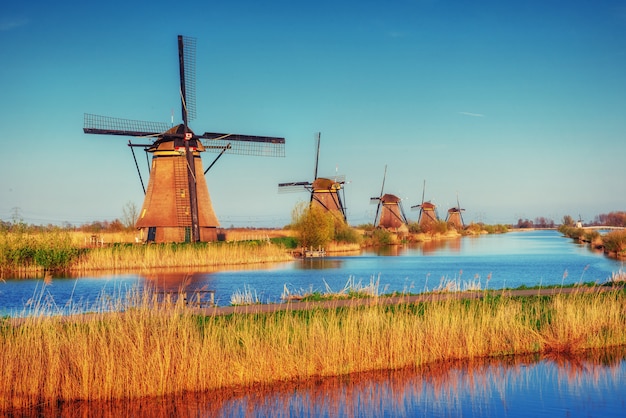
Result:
[151,234]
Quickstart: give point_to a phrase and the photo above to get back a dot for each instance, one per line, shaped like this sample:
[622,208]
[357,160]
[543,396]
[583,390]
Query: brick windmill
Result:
[454,215]
[326,192]
[389,212]
[428,212]
[177,206]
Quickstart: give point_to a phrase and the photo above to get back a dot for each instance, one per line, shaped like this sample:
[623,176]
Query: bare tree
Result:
[130,214]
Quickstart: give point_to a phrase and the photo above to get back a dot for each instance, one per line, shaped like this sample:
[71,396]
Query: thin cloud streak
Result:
[475,115]
[8,24]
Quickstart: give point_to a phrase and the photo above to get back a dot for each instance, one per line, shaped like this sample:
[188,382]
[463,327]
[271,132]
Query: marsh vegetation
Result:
[38,252]
[134,346]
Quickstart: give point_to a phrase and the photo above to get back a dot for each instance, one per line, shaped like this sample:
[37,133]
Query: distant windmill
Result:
[328,193]
[389,212]
[177,206]
[454,215]
[428,211]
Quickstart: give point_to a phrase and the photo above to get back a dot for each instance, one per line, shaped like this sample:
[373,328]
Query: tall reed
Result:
[124,257]
[34,253]
[146,348]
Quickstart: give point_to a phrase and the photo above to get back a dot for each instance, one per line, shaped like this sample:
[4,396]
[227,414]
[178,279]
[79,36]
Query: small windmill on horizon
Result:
[326,192]
[389,212]
[177,206]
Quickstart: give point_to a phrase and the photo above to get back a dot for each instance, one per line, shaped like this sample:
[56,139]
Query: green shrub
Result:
[344,233]
[615,241]
[315,227]
[381,236]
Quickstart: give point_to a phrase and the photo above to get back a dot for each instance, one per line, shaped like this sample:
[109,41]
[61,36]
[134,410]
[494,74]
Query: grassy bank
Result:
[613,243]
[155,349]
[36,253]
[130,256]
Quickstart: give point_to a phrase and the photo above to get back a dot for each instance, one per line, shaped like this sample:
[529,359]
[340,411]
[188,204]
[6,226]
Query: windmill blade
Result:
[421,205]
[402,214]
[264,146]
[226,148]
[131,146]
[382,189]
[458,206]
[295,183]
[105,125]
[317,154]
[340,203]
[187,69]
[292,187]
[380,198]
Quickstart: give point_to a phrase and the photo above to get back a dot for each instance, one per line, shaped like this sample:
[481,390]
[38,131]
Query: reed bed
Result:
[23,254]
[133,346]
[127,257]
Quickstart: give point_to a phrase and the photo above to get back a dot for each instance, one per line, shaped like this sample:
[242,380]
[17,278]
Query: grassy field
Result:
[24,254]
[155,349]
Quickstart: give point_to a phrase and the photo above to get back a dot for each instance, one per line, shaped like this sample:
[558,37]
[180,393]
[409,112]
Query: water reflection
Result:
[452,245]
[319,263]
[589,385]
[535,258]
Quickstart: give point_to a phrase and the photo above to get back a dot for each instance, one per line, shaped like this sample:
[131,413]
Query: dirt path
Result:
[388,300]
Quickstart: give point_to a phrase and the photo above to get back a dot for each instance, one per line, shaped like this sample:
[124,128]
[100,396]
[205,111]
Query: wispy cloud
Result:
[475,115]
[396,34]
[12,23]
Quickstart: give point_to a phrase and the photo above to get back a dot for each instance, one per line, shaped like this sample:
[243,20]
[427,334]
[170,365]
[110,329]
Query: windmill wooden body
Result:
[389,212]
[428,212]
[327,193]
[177,206]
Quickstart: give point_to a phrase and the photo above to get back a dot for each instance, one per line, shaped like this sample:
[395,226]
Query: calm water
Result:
[493,261]
[592,386]
[511,387]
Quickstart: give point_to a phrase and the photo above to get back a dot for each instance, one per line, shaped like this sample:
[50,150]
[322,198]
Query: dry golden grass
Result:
[167,256]
[152,350]
[23,254]
[342,247]
[244,234]
[87,239]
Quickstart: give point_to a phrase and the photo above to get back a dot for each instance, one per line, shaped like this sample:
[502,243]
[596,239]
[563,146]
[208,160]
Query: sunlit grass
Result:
[37,253]
[180,255]
[353,289]
[133,346]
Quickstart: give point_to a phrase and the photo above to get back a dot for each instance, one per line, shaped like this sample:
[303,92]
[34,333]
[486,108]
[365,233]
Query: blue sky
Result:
[517,107]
